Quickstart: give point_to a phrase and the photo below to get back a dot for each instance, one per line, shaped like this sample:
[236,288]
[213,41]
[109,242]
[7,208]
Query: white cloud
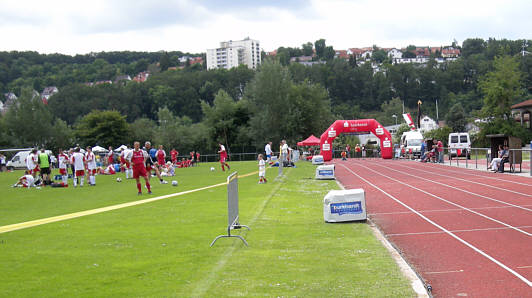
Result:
[99,25]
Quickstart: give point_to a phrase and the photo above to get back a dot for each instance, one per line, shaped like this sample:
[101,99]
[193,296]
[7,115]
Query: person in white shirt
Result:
[31,163]
[63,163]
[26,181]
[126,167]
[90,159]
[284,150]
[268,150]
[262,170]
[78,160]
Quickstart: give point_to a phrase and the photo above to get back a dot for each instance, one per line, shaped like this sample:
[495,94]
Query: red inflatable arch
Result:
[361,126]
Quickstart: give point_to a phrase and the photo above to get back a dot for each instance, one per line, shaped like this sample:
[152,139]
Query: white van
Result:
[411,141]
[459,140]
[19,160]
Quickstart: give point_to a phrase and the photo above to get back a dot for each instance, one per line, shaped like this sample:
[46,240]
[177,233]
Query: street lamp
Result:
[395,116]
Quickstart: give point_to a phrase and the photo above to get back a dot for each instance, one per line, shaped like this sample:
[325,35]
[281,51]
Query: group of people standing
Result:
[434,154]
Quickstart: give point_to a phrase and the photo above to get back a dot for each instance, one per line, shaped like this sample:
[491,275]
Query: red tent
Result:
[310,141]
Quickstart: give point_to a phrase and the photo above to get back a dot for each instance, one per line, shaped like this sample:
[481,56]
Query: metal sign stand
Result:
[232,209]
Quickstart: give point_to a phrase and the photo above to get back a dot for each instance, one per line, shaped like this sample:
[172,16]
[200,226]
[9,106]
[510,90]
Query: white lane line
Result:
[452,203]
[487,185]
[519,276]
[443,210]
[454,231]
[445,272]
[479,176]
[457,188]
[523,267]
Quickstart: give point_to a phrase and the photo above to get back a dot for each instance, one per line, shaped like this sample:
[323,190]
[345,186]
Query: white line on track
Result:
[457,188]
[522,267]
[487,185]
[448,170]
[444,210]
[519,276]
[445,272]
[454,231]
[449,202]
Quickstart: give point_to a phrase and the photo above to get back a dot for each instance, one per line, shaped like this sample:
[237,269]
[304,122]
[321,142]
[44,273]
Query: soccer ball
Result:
[174,183]
[212,169]
[118,179]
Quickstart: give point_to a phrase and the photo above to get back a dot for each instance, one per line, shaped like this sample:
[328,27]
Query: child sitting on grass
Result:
[262,170]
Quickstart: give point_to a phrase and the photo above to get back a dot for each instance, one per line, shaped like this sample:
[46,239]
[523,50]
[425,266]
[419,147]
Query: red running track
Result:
[465,232]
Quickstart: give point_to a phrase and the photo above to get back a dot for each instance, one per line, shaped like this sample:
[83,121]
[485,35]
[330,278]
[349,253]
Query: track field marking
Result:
[445,272]
[454,231]
[42,221]
[443,210]
[519,276]
[457,188]
[452,203]
[523,267]
[487,185]
[481,176]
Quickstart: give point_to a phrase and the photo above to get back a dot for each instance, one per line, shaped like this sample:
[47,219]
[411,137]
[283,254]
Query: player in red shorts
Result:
[173,154]
[63,164]
[78,160]
[138,157]
[90,160]
[223,157]
[110,156]
[161,156]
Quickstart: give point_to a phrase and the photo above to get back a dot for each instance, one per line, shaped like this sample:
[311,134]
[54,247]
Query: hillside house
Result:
[47,92]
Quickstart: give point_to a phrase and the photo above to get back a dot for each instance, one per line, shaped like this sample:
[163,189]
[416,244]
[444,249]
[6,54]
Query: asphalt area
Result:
[465,232]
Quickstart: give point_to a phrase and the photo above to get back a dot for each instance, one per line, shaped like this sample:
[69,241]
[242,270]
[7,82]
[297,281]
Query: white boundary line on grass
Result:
[42,221]
[408,272]
[519,276]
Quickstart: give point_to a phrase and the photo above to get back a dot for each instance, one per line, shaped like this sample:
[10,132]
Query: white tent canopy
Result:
[99,149]
[121,148]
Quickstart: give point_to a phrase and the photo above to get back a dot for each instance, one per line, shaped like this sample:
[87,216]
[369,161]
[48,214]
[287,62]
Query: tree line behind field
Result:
[193,109]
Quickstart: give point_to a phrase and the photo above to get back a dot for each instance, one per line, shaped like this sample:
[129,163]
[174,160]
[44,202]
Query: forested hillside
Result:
[243,106]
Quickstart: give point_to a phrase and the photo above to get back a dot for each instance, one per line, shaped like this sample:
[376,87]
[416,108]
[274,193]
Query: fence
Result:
[482,156]
[232,209]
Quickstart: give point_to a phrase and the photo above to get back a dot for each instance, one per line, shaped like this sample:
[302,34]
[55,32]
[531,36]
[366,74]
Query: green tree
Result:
[164,62]
[308,49]
[319,45]
[400,130]
[220,118]
[501,87]
[456,118]
[104,128]
[441,133]
[390,108]
[29,122]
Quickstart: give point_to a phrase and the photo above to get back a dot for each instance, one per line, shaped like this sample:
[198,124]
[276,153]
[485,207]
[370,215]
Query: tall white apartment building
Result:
[233,53]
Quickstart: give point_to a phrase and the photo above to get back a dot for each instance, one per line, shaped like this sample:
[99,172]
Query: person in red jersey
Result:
[173,154]
[223,157]
[110,156]
[161,156]
[138,157]
[197,157]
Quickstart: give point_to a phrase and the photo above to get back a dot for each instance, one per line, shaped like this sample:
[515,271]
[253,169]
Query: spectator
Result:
[440,151]
[344,154]
[423,148]
[504,158]
[494,165]
[348,150]
[363,151]
[357,151]
[268,151]
[2,163]
[284,151]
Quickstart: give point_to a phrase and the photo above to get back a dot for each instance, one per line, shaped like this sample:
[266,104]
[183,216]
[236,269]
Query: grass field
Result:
[162,248]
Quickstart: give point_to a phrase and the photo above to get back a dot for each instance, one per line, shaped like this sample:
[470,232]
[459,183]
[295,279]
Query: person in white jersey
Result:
[90,160]
[78,160]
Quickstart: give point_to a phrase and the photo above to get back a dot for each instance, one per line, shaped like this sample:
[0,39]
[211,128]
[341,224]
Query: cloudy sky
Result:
[73,27]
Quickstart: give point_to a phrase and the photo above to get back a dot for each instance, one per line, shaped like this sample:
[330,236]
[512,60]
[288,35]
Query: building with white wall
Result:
[427,124]
[233,53]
